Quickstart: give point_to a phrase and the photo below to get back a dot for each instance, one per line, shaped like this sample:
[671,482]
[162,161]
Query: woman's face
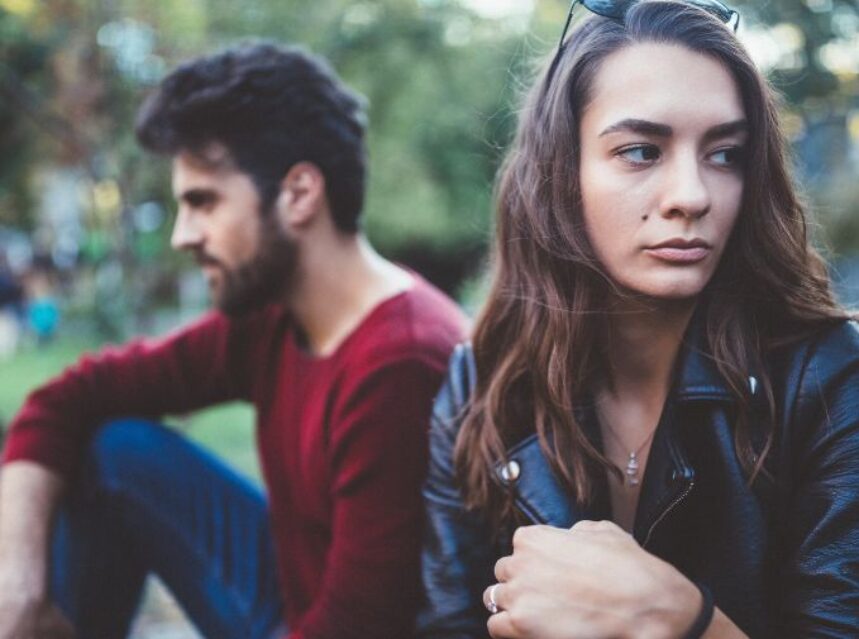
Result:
[662,147]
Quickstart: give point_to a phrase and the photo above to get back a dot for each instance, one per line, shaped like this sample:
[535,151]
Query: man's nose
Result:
[686,192]
[187,233]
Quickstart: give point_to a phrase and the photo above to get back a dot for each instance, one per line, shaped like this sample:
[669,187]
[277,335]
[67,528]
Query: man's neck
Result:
[340,280]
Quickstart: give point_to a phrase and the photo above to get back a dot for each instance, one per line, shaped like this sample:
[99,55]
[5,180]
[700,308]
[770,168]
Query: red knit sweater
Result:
[342,440]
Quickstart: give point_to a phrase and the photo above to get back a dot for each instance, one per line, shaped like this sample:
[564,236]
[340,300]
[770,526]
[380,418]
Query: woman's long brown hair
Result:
[538,340]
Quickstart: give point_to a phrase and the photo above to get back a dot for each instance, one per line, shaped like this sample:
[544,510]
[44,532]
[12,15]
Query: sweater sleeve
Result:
[193,367]
[378,456]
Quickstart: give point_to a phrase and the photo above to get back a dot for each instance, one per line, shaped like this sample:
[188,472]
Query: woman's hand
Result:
[32,620]
[591,581]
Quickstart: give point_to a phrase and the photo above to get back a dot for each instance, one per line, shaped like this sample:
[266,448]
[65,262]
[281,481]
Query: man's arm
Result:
[378,447]
[28,497]
[195,366]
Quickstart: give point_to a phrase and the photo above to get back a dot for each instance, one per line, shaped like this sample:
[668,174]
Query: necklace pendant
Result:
[632,470]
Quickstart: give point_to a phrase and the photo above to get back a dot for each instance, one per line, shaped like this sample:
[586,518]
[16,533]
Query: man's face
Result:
[245,256]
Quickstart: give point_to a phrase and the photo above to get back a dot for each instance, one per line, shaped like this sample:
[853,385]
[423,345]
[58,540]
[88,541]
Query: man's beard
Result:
[265,278]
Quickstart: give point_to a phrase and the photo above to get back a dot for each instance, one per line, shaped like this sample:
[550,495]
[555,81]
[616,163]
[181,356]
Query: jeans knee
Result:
[123,448]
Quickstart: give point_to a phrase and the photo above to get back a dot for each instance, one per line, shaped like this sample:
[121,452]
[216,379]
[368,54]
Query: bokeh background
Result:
[85,216]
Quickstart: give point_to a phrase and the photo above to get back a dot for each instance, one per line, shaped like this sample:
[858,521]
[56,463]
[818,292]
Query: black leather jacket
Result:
[781,558]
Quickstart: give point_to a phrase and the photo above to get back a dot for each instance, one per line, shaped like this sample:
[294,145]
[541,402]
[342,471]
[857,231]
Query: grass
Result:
[226,430]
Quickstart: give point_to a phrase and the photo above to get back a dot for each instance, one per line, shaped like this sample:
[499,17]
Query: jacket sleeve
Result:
[193,367]
[820,575]
[457,552]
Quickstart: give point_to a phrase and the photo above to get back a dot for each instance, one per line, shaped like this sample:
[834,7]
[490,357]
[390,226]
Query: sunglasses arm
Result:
[567,25]
[736,15]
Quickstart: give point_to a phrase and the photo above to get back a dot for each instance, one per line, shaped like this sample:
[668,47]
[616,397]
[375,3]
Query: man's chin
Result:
[231,308]
[236,305]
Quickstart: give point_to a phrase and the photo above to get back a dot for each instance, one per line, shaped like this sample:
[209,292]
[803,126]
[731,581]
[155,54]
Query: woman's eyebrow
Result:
[726,130]
[633,125]
[646,127]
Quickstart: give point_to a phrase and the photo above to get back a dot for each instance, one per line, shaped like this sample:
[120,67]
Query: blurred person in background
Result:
[656,430]
[11,302]
[340,351]
[42,308]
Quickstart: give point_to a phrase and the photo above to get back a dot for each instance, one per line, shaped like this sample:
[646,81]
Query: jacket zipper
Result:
[665,512]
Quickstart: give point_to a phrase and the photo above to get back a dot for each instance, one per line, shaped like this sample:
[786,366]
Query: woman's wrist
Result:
[679,608]
[705,614]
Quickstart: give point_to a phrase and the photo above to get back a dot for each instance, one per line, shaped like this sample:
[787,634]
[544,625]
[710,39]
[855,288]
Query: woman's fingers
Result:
[602,526]
[500,626]
[493,598]
[504,569]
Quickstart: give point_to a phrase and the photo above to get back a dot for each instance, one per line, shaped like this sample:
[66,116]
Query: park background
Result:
[85,215]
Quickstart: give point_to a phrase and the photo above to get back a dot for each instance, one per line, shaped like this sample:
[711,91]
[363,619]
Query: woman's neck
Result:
[643,340]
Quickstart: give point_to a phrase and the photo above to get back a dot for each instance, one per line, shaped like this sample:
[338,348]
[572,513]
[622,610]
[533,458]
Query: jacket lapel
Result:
[669,477]
[538,494]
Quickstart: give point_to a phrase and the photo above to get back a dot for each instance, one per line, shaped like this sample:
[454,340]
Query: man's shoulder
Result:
[421,322]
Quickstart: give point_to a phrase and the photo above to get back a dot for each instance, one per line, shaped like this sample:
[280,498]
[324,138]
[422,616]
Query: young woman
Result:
[655,432]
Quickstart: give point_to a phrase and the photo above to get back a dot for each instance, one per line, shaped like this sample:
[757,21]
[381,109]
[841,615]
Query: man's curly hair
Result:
[271,107]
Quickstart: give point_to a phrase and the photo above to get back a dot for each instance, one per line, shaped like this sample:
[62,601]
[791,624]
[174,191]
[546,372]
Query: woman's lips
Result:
[679,254]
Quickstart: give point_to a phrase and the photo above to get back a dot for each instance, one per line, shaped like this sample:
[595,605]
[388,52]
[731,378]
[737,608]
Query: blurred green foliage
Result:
[441,78]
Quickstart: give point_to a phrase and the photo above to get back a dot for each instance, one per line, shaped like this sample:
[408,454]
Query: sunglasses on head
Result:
[616,10]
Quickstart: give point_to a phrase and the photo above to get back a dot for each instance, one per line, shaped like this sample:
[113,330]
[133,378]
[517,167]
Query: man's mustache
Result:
[204,259]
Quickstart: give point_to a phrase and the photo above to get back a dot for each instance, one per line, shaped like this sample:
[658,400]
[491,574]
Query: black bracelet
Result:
[702,621]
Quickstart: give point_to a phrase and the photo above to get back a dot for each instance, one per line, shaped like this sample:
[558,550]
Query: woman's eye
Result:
[640,154]
[729,157]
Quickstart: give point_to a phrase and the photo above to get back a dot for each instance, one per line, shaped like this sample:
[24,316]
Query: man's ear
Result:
[302,195]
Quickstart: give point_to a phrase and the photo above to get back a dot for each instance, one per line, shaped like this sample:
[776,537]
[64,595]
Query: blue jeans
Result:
[148,501]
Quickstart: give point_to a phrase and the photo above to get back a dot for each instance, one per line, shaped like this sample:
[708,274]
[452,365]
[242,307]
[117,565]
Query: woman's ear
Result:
[301,197]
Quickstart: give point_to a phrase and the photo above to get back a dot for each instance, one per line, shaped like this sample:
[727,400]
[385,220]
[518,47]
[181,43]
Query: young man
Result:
[340,351]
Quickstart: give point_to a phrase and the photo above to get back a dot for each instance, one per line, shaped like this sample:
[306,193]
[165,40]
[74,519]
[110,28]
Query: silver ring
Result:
[492,605]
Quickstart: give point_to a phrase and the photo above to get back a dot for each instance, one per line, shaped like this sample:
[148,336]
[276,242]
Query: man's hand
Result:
[28,496]
[591,581]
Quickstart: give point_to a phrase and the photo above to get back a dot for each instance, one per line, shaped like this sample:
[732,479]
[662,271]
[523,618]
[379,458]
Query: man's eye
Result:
[201,201]
[640,154]
[729,156]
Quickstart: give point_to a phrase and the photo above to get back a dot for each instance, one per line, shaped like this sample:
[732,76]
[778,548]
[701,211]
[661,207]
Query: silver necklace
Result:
[631,477]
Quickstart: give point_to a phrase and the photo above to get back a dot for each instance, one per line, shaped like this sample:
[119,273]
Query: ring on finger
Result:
[491,604]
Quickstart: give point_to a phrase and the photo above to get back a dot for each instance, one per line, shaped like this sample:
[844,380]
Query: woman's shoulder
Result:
[452,400]
[820,372]
[821,353]
[834,348]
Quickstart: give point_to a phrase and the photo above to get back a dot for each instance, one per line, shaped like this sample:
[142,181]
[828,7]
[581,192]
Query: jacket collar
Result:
[697,376]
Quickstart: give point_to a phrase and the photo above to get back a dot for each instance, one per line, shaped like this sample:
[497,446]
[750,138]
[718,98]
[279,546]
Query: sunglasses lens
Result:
[615,9]
[716,8]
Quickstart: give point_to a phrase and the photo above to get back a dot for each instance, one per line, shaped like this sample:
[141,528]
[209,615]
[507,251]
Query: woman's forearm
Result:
[723,628]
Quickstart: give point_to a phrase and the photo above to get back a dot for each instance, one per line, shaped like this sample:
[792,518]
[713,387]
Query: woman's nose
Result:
[686,192]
